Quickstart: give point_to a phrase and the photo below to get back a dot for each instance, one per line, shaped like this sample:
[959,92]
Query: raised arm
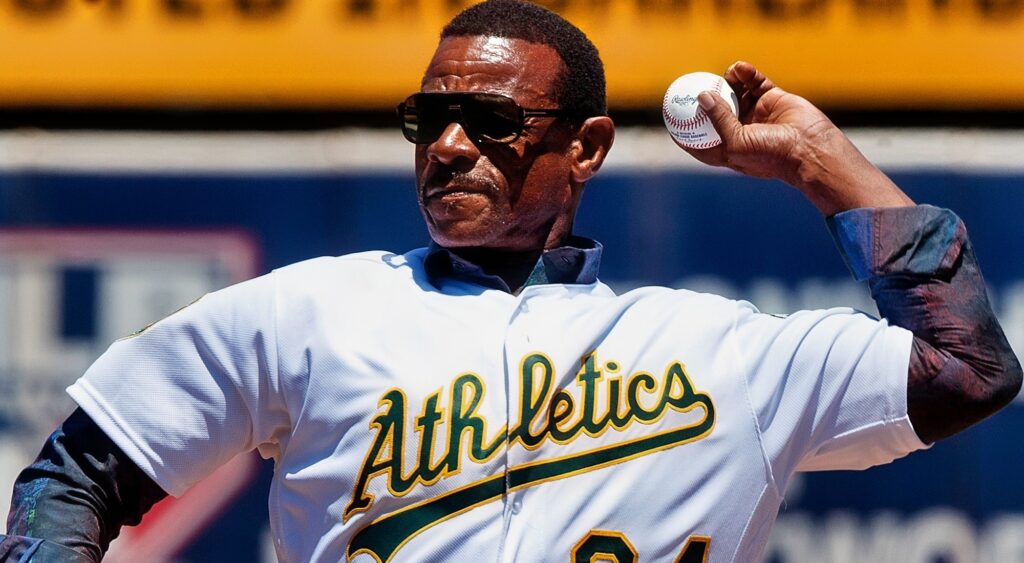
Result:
[918,260]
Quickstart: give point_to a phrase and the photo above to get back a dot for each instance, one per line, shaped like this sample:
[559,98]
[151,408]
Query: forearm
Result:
[835,176]
[924,277]
[80,491]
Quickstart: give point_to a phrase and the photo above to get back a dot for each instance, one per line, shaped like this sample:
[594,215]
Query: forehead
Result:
[527,72]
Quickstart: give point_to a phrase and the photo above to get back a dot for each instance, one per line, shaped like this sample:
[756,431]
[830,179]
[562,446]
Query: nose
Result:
[453,146]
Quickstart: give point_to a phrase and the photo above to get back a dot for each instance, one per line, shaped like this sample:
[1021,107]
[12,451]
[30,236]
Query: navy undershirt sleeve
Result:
[72,501]
[925,277]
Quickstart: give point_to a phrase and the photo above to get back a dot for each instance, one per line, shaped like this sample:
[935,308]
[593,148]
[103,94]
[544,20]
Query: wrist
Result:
[835,177]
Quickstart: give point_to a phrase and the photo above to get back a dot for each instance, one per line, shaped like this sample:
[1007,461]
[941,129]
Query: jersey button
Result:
[517,504]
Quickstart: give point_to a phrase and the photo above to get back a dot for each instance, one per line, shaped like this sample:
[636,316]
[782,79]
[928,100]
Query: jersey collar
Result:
[577,262]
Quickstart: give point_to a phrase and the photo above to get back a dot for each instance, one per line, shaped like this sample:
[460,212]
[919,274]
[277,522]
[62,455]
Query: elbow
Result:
[1008,386]
[1000,384]
[957,394]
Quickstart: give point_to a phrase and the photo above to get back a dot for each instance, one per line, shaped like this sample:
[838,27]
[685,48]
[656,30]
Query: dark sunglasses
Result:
[486,118]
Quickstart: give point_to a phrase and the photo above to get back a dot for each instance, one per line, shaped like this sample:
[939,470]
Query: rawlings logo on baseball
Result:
[686,121]
[687,100]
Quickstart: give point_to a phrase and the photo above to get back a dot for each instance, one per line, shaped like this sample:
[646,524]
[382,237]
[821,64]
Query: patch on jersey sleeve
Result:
[147,327]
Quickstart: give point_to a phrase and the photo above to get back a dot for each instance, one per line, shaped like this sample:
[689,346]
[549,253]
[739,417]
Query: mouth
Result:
[445,194]
[450,187]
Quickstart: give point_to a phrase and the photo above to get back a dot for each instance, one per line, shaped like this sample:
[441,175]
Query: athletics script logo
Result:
[545,414]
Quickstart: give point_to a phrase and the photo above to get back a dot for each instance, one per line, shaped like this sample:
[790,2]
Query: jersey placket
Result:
[517,339]
[533,338]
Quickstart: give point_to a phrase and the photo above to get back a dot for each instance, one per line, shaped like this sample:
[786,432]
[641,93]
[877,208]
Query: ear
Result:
[591,145]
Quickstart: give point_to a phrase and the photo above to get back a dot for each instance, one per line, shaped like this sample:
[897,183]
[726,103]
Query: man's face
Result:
[516,196]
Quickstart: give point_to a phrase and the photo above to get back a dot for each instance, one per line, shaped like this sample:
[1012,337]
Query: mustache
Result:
[444,178]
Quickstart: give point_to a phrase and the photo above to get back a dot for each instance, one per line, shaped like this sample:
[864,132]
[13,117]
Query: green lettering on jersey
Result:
[545,414]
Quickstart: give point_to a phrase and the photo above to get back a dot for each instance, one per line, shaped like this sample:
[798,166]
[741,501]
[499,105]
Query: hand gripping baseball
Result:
[783,136]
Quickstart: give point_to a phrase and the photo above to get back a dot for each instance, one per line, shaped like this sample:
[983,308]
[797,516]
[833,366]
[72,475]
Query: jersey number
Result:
[614,547]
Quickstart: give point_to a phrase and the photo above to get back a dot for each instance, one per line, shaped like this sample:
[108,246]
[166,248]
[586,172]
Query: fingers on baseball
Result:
[749,85]
[722,118]
[747,81]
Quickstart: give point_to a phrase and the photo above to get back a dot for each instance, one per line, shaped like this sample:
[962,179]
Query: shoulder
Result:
[341,283]
[660,297]
[361,268]
[737,310]
[316,279]
[368,261]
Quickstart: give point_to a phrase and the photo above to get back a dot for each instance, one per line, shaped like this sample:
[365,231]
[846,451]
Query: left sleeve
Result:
[829,388]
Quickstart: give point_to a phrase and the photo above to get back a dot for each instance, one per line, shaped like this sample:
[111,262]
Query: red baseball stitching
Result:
[699,118]
[705,144]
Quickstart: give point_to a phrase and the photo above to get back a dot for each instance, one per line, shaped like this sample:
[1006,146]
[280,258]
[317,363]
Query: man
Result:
[487,398]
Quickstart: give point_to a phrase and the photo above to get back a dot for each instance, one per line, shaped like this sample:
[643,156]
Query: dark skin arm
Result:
[961,366]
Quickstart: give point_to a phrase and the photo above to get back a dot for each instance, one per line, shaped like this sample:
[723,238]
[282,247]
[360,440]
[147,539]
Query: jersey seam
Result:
[303,403]
[274,514]
[887,421]
[750,519]
[277,354]
[744,364]
[892,427]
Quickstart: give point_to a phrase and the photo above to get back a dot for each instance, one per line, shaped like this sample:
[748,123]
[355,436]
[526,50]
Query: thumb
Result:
[721,115]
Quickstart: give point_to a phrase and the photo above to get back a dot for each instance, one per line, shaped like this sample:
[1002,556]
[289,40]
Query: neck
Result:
[513,267]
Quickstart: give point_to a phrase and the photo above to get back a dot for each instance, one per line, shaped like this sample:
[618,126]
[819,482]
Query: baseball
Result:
[685,120]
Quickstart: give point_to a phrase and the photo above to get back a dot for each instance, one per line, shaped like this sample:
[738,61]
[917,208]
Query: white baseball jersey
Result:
[415,422]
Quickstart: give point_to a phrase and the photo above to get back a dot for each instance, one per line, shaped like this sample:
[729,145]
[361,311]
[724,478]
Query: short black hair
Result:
[581,86]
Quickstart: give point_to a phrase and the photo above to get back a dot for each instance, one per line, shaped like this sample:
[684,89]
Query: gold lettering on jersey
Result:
[555,416]
[387,454]
[603,401]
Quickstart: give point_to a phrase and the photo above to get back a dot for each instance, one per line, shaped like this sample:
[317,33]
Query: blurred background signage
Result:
[368,54]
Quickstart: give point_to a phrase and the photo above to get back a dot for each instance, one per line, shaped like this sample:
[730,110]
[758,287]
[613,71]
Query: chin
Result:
[461,232]
[459,241]
[454,237]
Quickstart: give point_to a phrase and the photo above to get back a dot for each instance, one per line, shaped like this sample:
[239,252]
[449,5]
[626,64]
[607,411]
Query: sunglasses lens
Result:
[488,118]
[423,118]
[494,119]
